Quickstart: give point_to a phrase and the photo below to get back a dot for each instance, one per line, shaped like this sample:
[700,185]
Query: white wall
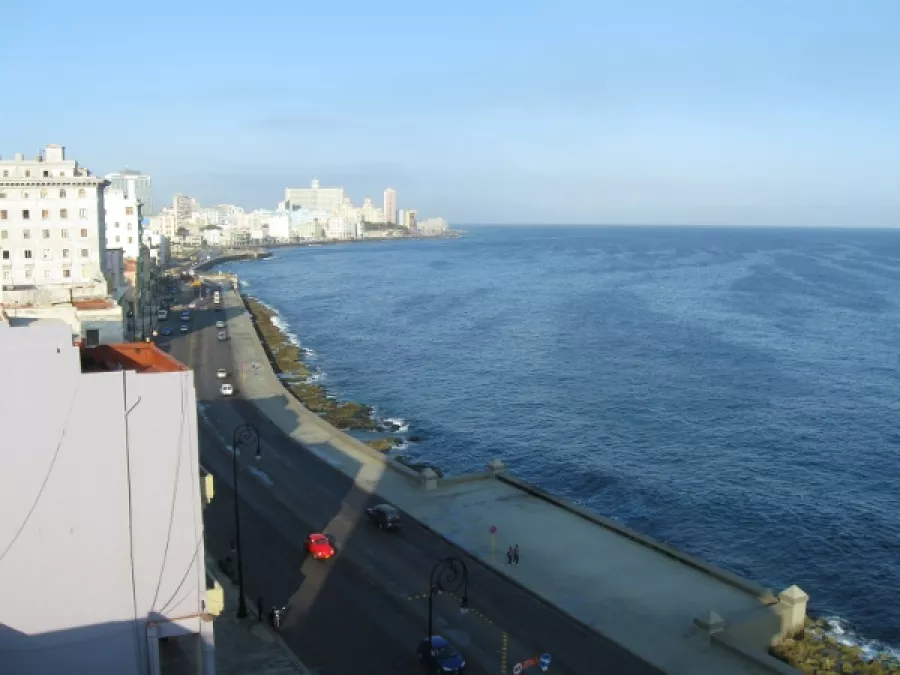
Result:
[123,218]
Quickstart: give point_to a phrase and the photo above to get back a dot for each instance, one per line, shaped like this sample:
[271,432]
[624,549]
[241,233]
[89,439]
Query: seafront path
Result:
[644,596]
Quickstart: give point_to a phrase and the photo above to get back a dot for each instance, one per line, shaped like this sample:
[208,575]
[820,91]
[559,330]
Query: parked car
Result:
[385,516]
[220,324]
[440,655]
[221,373]
[226,389]
[321,546]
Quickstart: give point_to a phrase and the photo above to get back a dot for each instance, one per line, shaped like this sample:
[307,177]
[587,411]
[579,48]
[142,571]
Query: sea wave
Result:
[402,424]
[840,630]
[400,447]
[285,329]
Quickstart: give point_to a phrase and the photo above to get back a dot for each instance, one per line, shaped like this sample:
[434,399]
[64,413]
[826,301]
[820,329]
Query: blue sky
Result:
[670,111]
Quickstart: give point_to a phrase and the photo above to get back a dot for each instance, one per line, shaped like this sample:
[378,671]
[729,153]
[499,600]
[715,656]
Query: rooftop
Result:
[140,356]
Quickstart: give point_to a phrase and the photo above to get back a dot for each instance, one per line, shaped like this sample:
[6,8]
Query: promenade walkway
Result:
[641,598]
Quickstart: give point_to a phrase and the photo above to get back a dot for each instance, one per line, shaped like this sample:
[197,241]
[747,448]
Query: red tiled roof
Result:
[143,357]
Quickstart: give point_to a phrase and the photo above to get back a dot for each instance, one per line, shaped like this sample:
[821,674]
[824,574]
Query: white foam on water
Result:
[285,330]
[399,422]
[401,447]
[871,649]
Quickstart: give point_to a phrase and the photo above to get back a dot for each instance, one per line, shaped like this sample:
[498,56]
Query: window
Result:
[45,234]
[83,231]
[47,255]
[5,274]
[43,193]
[28,273]
[46,274]
[118,239]
[5,173]
[3,215]
[27,253]
[27,173]
[5,254]
[26,234]
[84,253]
[2,194]
[65,253]
[62,193]
[92,337]
[46,174]
[64,213]
[116,225]
[130,240]
[67,273]
[82,213]
[129,226]
[45,214]
[129,210]
[81,192]
[26,214]
[64,234]
[24,195]
[4,234]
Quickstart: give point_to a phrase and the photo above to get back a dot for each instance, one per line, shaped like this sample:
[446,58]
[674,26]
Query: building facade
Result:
[315,198]
[390,206]
[134,185]
[105,549]
[123,222]
[52,232]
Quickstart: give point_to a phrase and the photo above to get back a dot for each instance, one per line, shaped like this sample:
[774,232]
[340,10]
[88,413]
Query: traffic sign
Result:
[517,669]
[544,662]
[493,529]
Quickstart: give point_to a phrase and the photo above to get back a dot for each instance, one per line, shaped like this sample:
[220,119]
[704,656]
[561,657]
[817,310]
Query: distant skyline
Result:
[650,112]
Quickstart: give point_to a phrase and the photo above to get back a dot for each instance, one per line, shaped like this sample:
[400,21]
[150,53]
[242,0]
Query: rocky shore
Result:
[288,360]
[819,653]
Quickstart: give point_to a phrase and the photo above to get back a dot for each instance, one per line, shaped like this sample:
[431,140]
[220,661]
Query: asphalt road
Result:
[366,610]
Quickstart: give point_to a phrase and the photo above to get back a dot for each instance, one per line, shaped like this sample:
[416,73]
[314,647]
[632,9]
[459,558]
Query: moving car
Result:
[320,546]
[221,373]
[226,389]
[441,655]
[222,335]
[220,324]
[167,331]
[184,328]
[384,516]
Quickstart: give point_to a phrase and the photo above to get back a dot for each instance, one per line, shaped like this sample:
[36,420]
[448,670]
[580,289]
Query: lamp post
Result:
[247,435]
[449,575]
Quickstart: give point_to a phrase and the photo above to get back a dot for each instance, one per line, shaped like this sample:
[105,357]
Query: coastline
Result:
[825,647]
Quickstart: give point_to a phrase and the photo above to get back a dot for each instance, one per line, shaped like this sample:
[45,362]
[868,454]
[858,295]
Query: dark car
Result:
[441,656]
[384,516]
[166,331]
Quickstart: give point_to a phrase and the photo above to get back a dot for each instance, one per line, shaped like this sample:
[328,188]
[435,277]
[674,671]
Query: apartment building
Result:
[51,225]
[390,206]
[123,222]
[134,185]
[315,198]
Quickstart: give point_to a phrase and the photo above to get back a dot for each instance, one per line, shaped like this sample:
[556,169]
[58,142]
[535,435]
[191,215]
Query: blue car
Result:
[166,331]
[442,656]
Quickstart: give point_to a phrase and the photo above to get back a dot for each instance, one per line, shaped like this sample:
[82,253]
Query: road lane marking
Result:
[504,653]
[473,610]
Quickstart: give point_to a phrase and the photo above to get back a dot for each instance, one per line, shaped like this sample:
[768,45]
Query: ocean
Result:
[730,391]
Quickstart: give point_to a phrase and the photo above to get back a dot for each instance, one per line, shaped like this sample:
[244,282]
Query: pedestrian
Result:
[259,607]
[509,555]
[516,554]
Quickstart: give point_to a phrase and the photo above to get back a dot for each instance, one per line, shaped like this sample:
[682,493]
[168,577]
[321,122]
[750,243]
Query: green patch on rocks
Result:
[385,444]
[287,358]
[818,653]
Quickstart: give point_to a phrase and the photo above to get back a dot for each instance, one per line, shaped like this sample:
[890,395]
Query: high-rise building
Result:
[315,198]
[123,222]
[390,206]
[185,209]
[134,185]
[51,224]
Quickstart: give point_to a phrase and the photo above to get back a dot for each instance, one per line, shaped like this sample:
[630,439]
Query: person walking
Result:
[259,607]
[516,554]
[509,555]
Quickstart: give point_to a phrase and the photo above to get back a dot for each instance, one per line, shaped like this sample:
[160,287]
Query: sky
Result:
[718,112]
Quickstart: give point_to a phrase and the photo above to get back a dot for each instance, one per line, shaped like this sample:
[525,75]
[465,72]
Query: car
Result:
[184,328]
[220,324]
[441,655]
[226,389]
[221,373]
[167,331]
[384,516]
[320,546]
[222,335]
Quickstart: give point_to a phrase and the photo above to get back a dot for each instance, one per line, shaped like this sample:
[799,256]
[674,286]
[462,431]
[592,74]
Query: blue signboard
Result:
[544,662]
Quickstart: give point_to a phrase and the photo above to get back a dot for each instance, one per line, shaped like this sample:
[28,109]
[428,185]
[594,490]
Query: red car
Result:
[320,546]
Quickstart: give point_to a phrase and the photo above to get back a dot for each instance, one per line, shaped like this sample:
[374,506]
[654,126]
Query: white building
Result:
[123,222]
[342,227]
[432,226]
[158,244]
[212,235]
[164,224]
[390,206]
[315,198]
[52,235]
[107,557]
[135,185]
[185,209]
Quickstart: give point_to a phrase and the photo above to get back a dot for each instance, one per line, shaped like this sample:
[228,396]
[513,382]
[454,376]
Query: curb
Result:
[274,635]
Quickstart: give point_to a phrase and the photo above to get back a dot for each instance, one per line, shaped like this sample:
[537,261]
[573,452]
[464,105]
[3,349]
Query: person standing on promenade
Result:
[509,555]
[515,554]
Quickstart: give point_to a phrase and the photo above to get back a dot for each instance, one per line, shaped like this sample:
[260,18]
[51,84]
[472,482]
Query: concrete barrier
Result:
[765,595]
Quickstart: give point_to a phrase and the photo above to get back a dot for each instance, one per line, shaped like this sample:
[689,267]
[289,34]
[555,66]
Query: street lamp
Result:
[449,575]
[247,435]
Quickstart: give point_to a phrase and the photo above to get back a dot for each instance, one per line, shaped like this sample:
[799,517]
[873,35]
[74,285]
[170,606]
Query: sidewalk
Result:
[633,594]
[246,646]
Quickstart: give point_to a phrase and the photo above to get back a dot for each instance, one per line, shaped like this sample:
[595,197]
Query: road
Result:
[366,610]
